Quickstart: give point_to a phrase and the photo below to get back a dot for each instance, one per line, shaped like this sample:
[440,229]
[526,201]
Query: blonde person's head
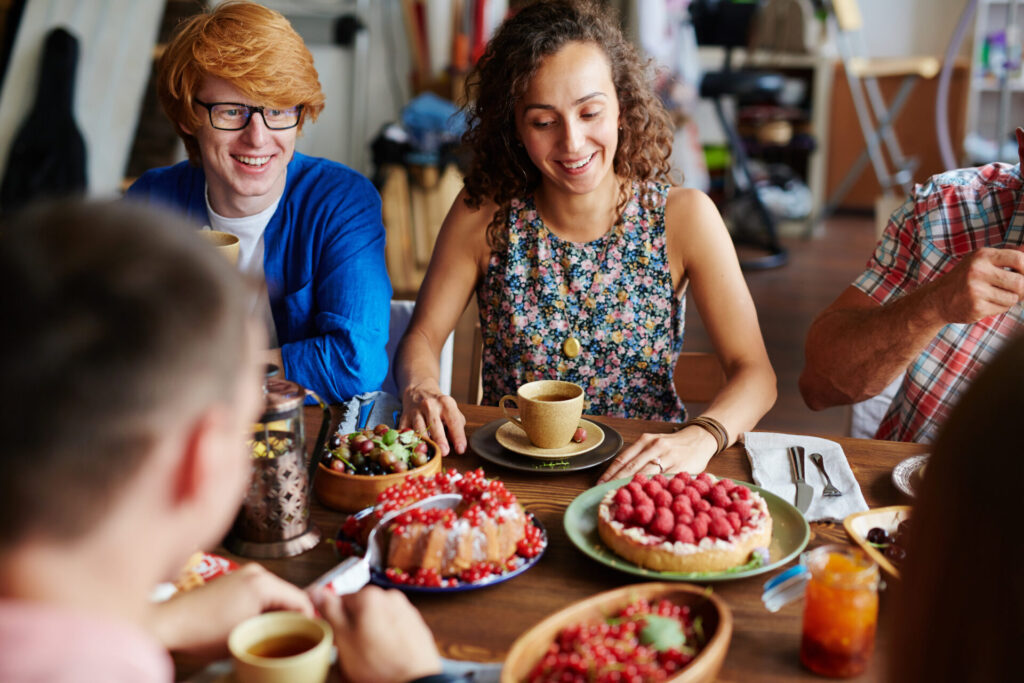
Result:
[251,47]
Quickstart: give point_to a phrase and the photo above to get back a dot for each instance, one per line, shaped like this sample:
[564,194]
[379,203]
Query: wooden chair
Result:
[698,376]
[862,74]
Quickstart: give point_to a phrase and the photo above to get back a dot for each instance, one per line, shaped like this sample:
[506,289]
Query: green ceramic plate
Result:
[790,534]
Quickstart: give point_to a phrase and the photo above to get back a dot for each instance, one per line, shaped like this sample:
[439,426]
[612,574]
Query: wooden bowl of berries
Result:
[883,533]
[356,467]
[683,630]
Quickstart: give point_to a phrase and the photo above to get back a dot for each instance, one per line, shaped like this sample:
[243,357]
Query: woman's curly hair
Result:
[500,169]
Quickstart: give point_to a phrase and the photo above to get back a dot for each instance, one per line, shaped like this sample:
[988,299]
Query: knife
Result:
[804,491]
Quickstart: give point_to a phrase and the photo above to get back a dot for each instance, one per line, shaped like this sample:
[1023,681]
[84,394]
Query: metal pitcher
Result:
[274,519]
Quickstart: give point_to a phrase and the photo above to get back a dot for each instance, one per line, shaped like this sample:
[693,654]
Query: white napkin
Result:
[773,471]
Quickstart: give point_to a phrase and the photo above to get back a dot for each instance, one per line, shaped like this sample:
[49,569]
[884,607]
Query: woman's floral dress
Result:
[613,294]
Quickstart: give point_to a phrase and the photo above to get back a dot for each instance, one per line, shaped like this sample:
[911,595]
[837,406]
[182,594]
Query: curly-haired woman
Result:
[579,251]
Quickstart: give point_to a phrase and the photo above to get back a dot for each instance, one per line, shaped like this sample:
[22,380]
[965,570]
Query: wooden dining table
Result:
[481,625]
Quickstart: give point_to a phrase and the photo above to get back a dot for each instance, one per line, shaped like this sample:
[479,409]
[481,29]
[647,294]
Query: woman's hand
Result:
[426,409]
[380,636]
[688,450]
[199,621]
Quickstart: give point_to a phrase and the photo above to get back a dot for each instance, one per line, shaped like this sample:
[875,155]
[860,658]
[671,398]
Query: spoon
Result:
[830,490]
[353,573]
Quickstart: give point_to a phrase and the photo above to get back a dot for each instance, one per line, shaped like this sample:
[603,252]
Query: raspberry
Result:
[727,484]
[720,497]
[643,514]
[720,528]
[663,522]
[661,479]
[641,498]
[652,487]
[692,493]
[735,521]
[717,512]
[676,486]
[702,505]
[742,508]
[662,499]
[705,477]
[634,487]
[640,478]
[743,492]
[702,486]
[623,496]
[700,528]
[683,534]
[703,515]
[683,477]
[623,513]
[684,518]
[681,505]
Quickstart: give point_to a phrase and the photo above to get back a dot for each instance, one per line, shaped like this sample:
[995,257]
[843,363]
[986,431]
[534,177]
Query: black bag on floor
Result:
[47,156]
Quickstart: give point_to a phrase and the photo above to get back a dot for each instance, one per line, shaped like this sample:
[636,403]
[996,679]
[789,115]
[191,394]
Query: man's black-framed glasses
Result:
[236,116]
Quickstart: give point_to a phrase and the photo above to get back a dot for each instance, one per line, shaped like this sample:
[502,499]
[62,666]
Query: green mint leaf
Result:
[662,633]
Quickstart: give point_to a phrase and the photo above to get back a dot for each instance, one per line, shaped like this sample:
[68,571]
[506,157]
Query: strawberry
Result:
[702,505]
[742,508]
[734,521]
[720,497]
[681,505]
[623,497]
[643,514]
[663,522]
[676,486]
[700,528]
[623,513]
[683,534]
[662,499]
[720,528]
[652,487]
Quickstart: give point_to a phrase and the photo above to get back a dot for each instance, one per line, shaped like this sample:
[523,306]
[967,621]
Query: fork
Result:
[830,490]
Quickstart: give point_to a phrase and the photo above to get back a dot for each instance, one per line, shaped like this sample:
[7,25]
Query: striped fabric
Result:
[948,217]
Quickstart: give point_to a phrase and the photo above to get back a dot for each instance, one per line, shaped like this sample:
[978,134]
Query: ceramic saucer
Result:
[514,439]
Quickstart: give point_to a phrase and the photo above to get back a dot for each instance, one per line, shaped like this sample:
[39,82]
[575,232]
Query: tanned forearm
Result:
[853,353]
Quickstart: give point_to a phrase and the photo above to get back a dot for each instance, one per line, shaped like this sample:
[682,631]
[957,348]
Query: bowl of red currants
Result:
[355,467]
[647,631]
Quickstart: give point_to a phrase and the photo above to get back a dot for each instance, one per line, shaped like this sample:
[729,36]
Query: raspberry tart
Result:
[684,524]
[487,534]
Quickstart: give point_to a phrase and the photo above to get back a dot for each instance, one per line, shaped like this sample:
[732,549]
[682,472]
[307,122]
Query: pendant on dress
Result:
[571,347]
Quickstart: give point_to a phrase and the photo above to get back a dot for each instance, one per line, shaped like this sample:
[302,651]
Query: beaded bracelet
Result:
[713,427]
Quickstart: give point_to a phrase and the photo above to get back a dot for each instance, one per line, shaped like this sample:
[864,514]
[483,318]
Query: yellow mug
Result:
[549,411]
[226,243]
[281,647]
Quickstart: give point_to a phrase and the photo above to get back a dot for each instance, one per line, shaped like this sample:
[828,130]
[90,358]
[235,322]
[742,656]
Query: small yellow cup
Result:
[281,647]
[549,411]
[226,243]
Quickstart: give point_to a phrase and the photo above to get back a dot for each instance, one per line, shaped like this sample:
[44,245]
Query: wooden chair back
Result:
[847,15]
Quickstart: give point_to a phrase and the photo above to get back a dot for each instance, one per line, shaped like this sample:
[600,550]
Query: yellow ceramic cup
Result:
[281,647]
[226,243]
[549,411]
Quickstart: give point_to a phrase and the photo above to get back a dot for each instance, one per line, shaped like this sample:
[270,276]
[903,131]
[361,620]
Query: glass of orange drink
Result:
[840,611]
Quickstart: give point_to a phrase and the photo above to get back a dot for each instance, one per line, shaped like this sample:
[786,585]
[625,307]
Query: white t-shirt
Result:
[249,231]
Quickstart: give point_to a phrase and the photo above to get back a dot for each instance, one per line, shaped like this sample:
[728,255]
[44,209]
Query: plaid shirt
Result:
[948,217]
